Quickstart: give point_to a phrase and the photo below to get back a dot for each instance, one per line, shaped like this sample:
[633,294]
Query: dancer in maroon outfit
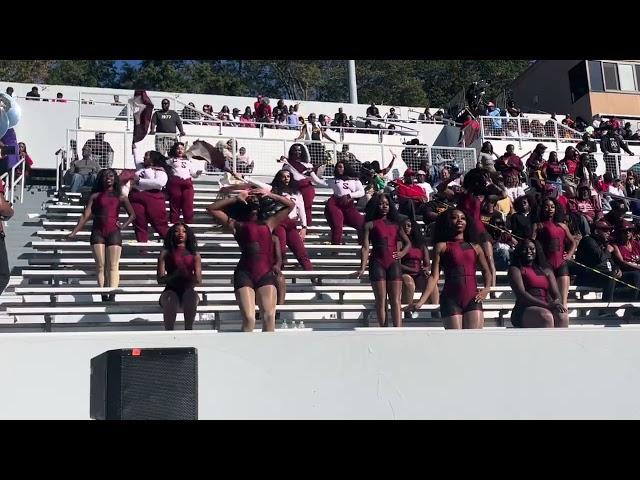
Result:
[381,230]
[340,209]
[180,185]
[180,269]
[460,300]
[106,242]
[255,276]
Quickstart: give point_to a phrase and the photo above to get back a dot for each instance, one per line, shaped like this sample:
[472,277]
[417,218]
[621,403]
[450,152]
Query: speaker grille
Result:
[159,385]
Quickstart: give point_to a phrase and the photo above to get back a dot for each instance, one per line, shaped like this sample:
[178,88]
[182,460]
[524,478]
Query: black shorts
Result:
[450,306]
[114,238]
[178,290]
[419,280]
[516,315]
[562,270]
[243,279]
[377,272]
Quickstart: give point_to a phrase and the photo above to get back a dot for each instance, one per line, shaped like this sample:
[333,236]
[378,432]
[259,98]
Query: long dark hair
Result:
[487,147]
[174,149]
[305,154]
[98,186]
[372,210]
[443,231]
[159,160]
[190,243]
[278,186]
[417,237]
[559,215]
[475,181]
[348,172]
[517,256]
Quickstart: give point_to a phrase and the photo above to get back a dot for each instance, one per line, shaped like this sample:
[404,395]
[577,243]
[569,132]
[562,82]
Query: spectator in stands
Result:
[552,169]
[596,253]
[147,196]
[426,116]
[6,212]
[312,132]
[611,143]
[101,150]
[348,158]
[9,91]
[626,253]
[412,199]
[33,94]
[235,116]
[509,164]
[554,235]
[514,188]
[256,105]
[537,130]
[340,209]
[292,119]
[83,171]
[180,185]
[280,120]
[538,300]
[570,164]
[263,111]
[584,175]
[581,124]
[246,120]
[392,115]
[460,300]
[415,265]
[104,206]
[512,110]
[189,113]
[340,118]
[59,98]
[166,122]
[487,157]
[372,111]
[224,115]
[503,242]
[512,129]
[180,269]
[280,108]
[587,145]
[630,185]
[438,116]
[520,223]
[382,232]
[535,163]
[208,117]
[243,163]
[568,121]
[28,163]
[422,177]
[585,204]
[496,123]
[254,278]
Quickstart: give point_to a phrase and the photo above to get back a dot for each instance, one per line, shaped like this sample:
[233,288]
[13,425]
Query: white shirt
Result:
[182,168]
[151,179]
[428,189]
[515,192]
[616,191]
[342,188]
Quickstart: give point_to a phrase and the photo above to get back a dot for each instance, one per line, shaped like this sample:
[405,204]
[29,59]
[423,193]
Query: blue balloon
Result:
[13,110]
[4,123]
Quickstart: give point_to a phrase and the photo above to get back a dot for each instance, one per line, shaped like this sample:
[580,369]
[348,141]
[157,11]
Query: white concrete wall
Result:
[390,374]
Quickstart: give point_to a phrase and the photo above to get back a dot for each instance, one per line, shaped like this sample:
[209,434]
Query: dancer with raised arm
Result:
[254,278]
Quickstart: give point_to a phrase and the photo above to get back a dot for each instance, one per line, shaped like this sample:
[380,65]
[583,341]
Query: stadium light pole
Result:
[353,85]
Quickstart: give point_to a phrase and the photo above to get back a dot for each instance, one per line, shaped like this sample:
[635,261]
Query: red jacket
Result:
[413,191]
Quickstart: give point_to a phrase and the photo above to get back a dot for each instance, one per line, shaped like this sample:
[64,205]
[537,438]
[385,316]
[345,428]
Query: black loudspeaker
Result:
[145,384]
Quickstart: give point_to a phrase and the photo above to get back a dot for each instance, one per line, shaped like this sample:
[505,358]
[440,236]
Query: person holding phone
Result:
[180,185]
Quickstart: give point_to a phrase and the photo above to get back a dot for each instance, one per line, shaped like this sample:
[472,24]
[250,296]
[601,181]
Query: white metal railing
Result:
[265,152]
[15,181]
[522,129]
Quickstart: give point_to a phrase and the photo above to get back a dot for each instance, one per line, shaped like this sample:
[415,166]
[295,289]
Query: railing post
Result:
[128,115]
[383,161]
[555,132]
[234,146]
[519,133]
[481,132]
[12,184]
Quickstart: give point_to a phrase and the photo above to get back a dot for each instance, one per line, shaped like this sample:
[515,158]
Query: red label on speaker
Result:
[136,352]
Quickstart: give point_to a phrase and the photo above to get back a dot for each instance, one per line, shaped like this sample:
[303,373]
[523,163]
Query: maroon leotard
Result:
[384,240]
[257,255]
[183,261]
[105,210]
[458,262]
[535,283]
[414,260]
[552,238]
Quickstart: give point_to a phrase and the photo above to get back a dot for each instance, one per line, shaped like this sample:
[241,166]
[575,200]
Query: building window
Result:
[595,75]
[578,83]
[611,76]
[625,74]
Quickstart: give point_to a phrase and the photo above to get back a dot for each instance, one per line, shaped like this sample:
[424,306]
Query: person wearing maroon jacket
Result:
[509,164]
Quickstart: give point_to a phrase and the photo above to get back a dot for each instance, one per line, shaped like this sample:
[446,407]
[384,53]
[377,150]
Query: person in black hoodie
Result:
[611,143]
[595,252]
